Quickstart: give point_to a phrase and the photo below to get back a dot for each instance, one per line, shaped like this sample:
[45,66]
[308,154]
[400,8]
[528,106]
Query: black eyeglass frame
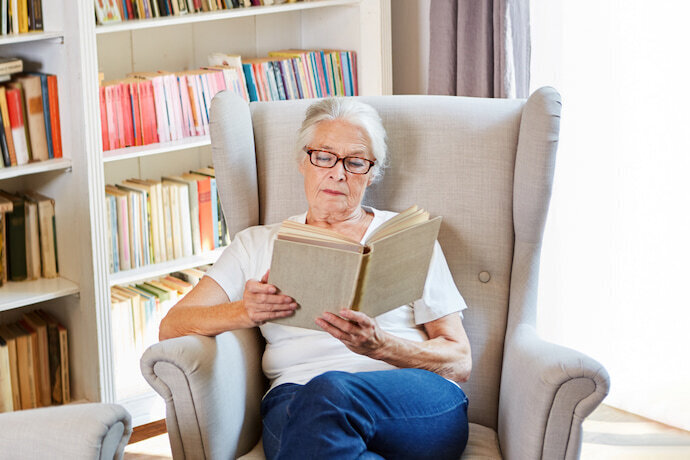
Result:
[310,151]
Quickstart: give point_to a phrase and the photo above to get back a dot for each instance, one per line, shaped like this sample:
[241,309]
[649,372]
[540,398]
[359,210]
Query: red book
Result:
[126,104]
[119,114]
[110,107]
[130,10]
[205,213]
[136,112]
[54,110]
[147,106]
[14,106]
[104,119]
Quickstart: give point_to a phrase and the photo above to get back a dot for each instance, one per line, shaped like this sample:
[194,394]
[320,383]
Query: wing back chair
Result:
[486,166]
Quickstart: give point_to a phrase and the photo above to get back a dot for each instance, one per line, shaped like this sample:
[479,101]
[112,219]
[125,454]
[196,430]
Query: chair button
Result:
[484,277]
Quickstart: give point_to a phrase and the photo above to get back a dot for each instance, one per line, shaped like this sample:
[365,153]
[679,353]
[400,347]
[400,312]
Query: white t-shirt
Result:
[296,355]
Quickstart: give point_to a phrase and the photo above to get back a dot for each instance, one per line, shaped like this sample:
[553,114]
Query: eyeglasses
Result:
[324,159]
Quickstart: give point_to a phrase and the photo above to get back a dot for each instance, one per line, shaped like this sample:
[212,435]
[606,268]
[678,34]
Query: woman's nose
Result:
[337,172]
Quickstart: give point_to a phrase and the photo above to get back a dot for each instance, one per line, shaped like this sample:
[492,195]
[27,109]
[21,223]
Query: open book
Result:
[325,271]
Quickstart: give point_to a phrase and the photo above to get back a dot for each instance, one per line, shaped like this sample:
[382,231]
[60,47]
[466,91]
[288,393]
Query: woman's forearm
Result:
[446,357]
[203,320]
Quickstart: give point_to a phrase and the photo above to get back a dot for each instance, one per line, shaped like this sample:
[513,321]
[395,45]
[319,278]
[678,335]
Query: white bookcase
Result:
[76,49]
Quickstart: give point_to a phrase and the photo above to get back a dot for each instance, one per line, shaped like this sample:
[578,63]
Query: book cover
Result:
[16,238]
[25,367]
[54,109]
[33,245]
[388,271]
[35,121]
[6,401]
[35,360]
[54,356]
[10,338]
[206,215]
[5,207]
[7,126]
[46,217]
[41,328]
[14,107]
[45,98]
[107,11]
[193,199]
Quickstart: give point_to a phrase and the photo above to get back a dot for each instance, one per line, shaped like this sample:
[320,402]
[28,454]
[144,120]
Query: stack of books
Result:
[28,245]
[109,11]
[301,74]
[150,107]
[34,363]
[153,221]
[29,116]
[136,313]
[21,16]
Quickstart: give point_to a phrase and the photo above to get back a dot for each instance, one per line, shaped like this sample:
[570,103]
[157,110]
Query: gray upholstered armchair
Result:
[92,431]
[486,166]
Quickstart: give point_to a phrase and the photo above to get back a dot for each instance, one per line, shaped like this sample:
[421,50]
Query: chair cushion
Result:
[482,445]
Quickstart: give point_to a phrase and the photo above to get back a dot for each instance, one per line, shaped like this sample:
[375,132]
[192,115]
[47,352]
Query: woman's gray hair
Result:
[354,112]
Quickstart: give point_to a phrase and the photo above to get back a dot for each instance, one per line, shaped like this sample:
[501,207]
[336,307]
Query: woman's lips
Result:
[332,192]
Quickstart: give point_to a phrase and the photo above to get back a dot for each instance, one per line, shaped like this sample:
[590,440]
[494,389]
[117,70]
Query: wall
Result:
[410,24]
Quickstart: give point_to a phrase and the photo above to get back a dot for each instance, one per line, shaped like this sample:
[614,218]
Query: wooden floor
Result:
[609,434]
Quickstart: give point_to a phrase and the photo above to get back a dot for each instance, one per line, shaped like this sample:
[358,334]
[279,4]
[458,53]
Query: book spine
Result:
[46,114]
[6,161]
[54,109]
[7,126]
[34,121]
[14,106]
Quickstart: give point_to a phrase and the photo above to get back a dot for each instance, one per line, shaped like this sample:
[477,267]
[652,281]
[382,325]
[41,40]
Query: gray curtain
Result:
[479,48]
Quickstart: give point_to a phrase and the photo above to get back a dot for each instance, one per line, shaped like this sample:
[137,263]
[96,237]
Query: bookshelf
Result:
[76,49]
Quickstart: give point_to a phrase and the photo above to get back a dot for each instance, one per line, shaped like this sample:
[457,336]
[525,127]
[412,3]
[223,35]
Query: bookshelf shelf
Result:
[218,15]
[155,149]
[152,271]
[35,168]
[30,37]
[21,293]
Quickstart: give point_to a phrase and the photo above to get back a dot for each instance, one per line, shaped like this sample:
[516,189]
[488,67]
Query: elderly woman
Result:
[363,387]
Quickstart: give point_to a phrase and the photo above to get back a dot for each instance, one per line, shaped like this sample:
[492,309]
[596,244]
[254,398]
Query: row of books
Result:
[34,363]
[153,221]
[28,245]
[21,16]
[108,11]
[301,74]
[150,107]
[136,313]
[30,119]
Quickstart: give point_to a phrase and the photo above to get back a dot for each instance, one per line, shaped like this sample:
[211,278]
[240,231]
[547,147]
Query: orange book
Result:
[6,124]
[205,213]
[14,106]
[54,116]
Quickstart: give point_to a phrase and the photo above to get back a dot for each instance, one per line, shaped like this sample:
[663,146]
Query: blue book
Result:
[280,84]
[347,73]
[294,62]
[251,83]
[46,111]
[324,67]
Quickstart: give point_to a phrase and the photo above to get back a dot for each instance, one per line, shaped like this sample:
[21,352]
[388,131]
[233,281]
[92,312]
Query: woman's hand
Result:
[263,303]
[357,331]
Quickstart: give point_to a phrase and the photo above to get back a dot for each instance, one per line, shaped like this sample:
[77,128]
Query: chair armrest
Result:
[212,388]
[74,431]
[546,392]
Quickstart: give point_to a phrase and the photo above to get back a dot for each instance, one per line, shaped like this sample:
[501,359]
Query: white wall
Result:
[410,24]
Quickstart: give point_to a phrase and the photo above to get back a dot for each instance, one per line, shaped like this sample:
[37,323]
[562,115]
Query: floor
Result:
[609,434]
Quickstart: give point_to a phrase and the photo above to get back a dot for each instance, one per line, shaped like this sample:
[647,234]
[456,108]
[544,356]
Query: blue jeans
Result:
[401,413]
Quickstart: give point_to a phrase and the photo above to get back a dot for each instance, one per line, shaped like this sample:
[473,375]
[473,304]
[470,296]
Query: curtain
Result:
[479,48]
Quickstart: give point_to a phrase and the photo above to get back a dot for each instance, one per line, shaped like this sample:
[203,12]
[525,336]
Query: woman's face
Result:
[335,190]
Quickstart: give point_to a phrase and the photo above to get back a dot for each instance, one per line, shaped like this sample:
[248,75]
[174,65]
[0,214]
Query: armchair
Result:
[486,166]
[92,431]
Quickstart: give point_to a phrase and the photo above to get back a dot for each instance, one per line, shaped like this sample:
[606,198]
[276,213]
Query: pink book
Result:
[196,105]
[161,110]
[205,93]
[220,81]
[120,114]
[177,106]
[187,122]
[113,142]
[104,118]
